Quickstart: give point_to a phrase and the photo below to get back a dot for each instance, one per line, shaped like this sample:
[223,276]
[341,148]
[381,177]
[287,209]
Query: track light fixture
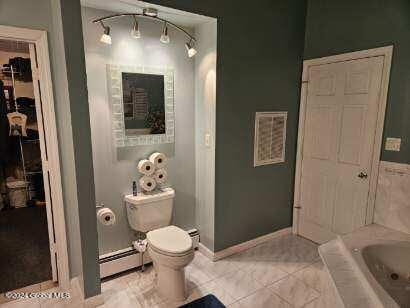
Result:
[190,49]
[164,36]
[149,13]
[105,37]
[135,32]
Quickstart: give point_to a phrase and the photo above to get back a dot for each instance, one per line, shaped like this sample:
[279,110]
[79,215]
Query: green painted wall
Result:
[334,27]
[258,69]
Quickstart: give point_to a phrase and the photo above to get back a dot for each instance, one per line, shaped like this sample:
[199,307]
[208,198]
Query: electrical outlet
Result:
[393,144]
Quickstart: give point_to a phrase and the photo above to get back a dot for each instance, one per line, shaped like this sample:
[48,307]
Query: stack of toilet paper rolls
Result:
[153,171]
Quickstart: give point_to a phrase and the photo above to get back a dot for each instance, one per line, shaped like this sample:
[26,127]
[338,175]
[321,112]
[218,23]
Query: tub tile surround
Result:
[393,196]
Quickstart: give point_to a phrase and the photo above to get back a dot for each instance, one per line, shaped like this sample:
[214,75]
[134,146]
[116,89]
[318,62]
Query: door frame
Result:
[387,53]
[39,39]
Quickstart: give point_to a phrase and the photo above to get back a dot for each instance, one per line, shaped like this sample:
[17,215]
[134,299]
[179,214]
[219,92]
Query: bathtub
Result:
[389,264]
[370,267]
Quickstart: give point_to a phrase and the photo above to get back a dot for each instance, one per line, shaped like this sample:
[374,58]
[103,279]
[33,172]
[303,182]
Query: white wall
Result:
[205,100]
[115,169]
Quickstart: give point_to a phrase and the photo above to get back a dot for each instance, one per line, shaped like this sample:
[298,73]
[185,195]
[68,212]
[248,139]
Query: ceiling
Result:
[178,17]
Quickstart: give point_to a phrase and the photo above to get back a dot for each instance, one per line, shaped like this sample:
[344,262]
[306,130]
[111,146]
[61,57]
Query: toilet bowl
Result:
[171,250]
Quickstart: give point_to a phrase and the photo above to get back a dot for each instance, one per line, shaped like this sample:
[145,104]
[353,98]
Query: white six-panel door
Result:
[340,126]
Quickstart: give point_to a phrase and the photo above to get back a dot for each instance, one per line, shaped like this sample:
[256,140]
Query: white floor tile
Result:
[316,303]
[275,274]
[124,299]
[195,276]
[265,273]
[22,303]
[238,284]
[294,291]
[263,298]
[314,276]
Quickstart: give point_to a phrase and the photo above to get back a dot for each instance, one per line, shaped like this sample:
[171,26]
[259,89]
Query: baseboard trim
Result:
[121,264]
[206,251]
[214,256]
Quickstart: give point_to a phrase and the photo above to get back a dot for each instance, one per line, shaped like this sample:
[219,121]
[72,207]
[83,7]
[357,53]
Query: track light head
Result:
[164,36]
[190,49]
[105,37]
[135,32]
[150,11]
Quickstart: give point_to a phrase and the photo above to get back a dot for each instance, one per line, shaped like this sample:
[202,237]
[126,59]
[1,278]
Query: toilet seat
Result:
[170,240]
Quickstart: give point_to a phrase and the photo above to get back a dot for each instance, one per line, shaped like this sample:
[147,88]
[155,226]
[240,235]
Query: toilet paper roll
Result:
[147,183]
[158,159]
[146,167]
[106,216]
[161,176]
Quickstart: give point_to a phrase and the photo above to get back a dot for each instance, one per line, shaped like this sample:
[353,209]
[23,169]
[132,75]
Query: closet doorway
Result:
[33,253]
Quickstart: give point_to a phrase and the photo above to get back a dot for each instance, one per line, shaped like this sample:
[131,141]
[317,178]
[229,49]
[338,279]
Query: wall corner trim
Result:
[91,302]
[215,256]
[94,301]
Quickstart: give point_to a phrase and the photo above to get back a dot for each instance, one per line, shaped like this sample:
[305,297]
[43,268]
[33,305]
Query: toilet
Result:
[169,247]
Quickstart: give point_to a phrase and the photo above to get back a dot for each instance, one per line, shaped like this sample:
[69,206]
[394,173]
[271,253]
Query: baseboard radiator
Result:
[126,259]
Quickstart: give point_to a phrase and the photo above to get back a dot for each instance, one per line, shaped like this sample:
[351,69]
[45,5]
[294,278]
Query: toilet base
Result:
[171,274]
[171,283]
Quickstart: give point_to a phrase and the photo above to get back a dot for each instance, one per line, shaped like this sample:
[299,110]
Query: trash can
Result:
[17,193]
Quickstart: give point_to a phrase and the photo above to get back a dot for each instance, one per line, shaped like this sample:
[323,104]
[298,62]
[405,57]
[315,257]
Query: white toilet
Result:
[169,247]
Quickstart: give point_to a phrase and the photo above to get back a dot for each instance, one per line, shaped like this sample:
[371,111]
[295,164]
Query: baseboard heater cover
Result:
[123,260]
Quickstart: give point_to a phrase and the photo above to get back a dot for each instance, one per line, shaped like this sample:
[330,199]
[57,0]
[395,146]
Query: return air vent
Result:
[270,138]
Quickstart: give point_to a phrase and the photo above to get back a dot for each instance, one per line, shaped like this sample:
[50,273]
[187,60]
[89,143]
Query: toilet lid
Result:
[170,239]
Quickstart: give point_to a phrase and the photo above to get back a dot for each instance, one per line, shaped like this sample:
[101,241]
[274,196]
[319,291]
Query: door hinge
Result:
[53,248]
[297,207]
[35,74]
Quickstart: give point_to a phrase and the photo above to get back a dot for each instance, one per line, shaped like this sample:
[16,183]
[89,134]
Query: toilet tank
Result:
[149,211]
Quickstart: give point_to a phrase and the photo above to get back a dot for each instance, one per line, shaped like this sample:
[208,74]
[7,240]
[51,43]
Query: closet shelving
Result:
[10,73]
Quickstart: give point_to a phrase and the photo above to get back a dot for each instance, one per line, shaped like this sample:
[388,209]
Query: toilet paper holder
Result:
[102,217]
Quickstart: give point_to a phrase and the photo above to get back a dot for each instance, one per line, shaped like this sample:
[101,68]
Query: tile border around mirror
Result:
[114,79]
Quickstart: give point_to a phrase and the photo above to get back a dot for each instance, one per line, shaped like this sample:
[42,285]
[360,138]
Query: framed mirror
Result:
[142,105]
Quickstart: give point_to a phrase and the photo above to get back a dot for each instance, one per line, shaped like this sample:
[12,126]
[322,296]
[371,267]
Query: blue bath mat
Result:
[208,301]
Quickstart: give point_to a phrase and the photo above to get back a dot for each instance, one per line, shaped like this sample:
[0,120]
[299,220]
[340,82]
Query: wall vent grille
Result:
[270,138]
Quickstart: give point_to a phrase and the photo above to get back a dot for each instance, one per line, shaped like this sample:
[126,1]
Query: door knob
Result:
[362,175]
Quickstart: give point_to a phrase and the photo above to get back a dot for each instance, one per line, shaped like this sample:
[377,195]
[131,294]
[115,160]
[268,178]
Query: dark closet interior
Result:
[24,255]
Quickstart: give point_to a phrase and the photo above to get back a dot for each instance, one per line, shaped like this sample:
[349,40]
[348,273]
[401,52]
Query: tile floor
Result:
[284,272]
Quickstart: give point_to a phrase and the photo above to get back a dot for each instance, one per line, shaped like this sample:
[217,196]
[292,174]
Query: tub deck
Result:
[350,276]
